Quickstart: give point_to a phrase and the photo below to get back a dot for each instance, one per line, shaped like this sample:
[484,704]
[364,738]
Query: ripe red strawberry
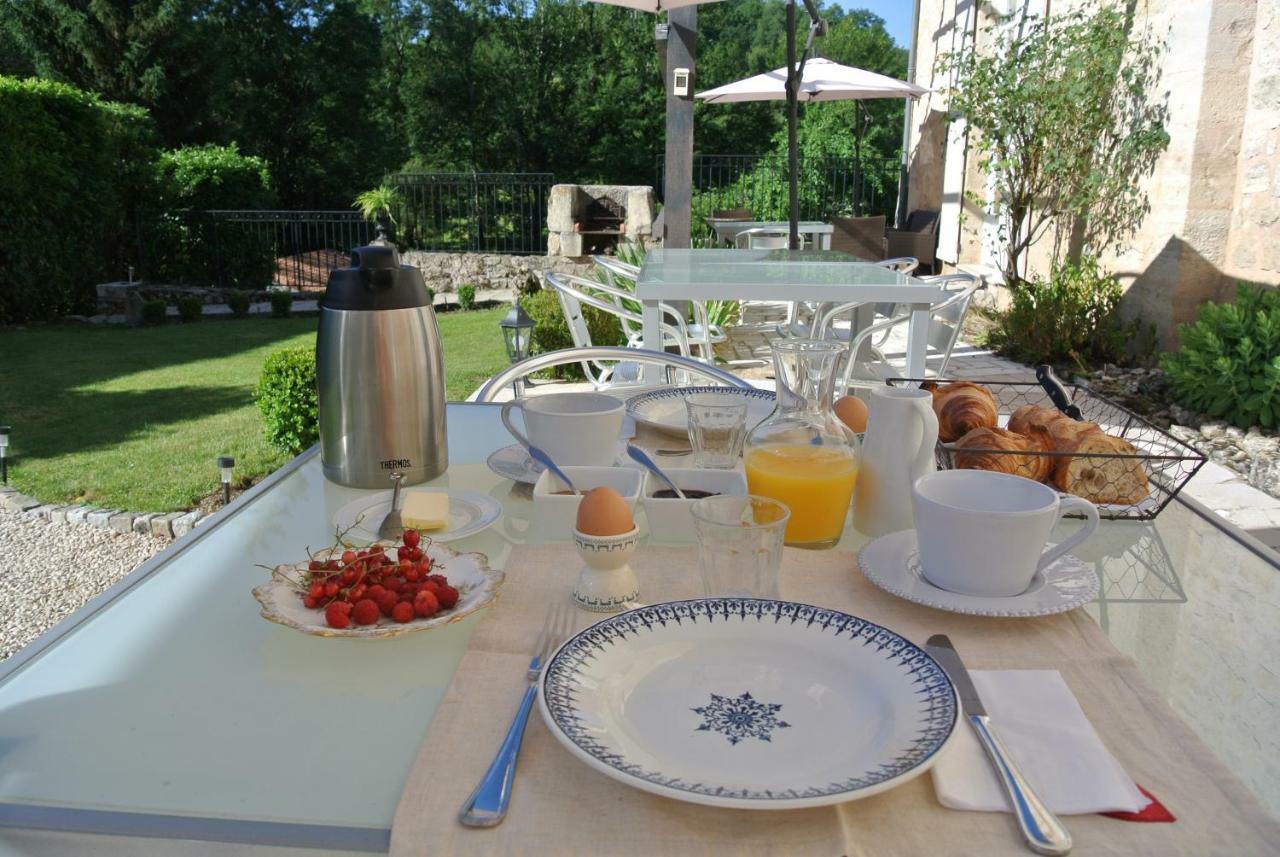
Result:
[425,604]
[365,612]
[376,591]
[335,616]
[402,612]
[411,538]
[448,596]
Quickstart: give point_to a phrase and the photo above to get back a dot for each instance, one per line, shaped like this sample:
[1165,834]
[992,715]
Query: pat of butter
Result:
[425,510]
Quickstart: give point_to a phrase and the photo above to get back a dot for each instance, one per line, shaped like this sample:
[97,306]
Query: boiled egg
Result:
[852,411]
[603,512]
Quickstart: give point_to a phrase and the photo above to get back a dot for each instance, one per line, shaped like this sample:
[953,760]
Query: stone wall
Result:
[1215,193]
[444,272]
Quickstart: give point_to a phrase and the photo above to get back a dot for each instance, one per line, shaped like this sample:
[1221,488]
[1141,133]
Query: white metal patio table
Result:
[820,276]
[727,231]
[169,714]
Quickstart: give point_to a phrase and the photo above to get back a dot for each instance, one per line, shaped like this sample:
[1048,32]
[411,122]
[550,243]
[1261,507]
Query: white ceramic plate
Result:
[469,573]
[892,562]
[469,513]
[514,462]
[664,410]
[748,703]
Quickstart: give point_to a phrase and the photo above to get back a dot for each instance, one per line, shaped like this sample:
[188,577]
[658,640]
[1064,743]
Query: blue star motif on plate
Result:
[738,717]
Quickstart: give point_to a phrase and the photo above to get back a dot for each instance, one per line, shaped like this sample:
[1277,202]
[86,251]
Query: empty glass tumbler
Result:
[717,429]
[739,545]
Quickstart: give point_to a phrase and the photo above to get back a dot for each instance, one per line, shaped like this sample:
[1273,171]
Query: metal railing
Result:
[474,212]
[250,249]
[828,187]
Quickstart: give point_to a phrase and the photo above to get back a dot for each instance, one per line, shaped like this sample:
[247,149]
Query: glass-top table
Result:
[168,708]
[815,231]
[781,275]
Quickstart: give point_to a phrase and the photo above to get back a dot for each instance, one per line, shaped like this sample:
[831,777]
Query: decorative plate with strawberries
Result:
[385,590]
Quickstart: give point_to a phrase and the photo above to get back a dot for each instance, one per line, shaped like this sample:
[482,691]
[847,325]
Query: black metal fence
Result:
[827,188]
[474,212]
[250,249]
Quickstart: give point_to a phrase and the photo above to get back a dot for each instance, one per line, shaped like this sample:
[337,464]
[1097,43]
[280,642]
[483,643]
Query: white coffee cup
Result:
[572,428]
[983,533]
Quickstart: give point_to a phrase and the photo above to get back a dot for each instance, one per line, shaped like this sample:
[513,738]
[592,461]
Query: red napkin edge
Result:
[1154,811]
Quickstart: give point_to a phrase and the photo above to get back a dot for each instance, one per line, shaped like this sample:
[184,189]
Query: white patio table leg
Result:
[917,340]
[651,338]
[824,240]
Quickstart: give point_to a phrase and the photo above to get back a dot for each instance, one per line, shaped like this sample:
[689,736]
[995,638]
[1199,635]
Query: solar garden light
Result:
[225,465]
[517,331]
[4,454]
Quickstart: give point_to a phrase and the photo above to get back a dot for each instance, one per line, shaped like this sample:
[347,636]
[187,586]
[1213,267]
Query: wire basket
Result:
[1168,462]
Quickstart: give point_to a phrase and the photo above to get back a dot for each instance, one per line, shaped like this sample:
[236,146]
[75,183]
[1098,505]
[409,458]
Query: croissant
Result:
[1064,432]
[1005,460]
[962,407]
[1101,480]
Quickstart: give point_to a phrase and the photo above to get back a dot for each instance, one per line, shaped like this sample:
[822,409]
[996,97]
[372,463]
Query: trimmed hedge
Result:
[72,169]
[288,400]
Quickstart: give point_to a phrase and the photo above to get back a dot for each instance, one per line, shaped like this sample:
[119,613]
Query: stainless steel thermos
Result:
[380,371]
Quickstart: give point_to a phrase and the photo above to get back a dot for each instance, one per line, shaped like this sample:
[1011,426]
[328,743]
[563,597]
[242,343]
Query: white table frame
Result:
[895,288]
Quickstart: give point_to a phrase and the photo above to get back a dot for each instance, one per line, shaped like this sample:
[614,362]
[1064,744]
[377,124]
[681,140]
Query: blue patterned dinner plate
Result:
[748,703]
[664,409]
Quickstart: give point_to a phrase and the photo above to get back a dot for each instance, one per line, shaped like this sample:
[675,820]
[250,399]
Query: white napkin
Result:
[1051,741]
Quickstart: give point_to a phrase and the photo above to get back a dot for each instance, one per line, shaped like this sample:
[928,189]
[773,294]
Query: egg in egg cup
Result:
[606,583]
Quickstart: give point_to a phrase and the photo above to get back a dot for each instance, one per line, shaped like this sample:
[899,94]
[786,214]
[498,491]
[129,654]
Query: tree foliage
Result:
[1064,115]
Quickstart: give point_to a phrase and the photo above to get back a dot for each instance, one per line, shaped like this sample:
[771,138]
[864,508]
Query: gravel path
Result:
[49,570]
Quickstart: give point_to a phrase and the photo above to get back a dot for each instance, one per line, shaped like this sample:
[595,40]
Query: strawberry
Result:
[448,596]
[365,612]
[335,616]
[402,612]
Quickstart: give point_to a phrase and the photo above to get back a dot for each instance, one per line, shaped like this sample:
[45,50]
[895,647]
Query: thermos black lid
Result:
[376,280]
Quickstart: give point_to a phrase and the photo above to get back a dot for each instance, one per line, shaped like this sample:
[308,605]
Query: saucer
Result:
[515,463]
[892,562]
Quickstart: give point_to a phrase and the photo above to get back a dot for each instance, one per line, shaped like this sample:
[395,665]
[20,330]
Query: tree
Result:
[1063,114]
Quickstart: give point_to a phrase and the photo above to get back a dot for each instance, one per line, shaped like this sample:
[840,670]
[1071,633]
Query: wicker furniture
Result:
[918,238]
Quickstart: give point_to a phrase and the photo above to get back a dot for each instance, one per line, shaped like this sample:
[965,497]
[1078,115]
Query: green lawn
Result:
[135,418]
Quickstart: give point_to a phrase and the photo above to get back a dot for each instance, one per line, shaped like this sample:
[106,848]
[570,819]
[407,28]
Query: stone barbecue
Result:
[587,219]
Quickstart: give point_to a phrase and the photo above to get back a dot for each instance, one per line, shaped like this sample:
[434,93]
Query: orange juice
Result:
[816,483]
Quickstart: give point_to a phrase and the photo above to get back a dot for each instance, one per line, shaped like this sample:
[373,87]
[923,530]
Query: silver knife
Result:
[1043,831]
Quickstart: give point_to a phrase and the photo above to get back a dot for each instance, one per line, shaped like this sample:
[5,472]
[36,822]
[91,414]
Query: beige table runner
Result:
[560,806]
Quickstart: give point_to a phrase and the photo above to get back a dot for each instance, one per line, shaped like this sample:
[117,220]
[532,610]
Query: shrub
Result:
[190,309]
[239,301]
[287,398]
[1073,319]
[1229,362]
[551,330]
[281,304]
[154,312]
[72,171]
[190,245]
[467,297]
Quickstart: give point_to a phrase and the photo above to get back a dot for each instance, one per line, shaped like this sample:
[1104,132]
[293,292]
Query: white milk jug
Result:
[901,433]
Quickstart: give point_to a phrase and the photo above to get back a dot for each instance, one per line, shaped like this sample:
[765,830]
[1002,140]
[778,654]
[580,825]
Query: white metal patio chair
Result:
[703,335]
[946,317]
[763,238]
[675,364]
[794,327]
[576,292]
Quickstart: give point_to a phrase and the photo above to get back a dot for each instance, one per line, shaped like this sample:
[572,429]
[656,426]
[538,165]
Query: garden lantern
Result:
[517,331]
[4,454]
[225,465]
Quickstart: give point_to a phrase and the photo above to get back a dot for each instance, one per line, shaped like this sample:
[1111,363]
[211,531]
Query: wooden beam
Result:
[677,194]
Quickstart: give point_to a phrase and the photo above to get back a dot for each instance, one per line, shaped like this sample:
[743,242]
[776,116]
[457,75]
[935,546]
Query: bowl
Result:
[556,515]
[670,521]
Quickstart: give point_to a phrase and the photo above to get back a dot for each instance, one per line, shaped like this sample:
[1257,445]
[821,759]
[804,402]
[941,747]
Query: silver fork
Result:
[487,805]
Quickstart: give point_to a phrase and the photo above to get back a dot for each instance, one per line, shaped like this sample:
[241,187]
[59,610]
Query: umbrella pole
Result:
[858,129]
[792,86]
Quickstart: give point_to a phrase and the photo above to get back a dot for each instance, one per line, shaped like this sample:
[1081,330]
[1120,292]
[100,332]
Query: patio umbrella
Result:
[821,80]
[816,27]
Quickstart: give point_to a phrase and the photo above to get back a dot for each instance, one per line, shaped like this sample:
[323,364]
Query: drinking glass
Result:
[739,544]
[717,429]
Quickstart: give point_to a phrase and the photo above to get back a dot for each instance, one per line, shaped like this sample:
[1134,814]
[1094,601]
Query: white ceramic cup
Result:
[983,533]
[572,428]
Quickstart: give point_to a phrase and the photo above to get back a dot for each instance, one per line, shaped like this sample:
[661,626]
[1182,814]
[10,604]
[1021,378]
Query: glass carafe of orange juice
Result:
[803,455]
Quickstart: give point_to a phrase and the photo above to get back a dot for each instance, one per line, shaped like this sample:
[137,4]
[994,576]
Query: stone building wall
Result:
[1215,193]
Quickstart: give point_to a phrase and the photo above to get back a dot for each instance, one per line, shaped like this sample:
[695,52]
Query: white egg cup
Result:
[606,583]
